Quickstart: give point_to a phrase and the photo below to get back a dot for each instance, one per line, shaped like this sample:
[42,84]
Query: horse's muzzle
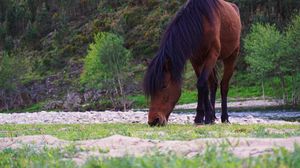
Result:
[157,122]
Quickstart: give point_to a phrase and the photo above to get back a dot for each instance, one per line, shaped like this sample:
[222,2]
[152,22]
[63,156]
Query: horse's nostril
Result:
[154,122]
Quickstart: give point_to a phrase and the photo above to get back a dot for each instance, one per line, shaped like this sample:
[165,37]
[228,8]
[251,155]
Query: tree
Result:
[292,53]
[105,65]
[43,20]
[9,76]
[263,47]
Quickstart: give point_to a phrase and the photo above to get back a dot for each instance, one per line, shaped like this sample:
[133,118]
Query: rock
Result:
[119,117]
[72,102]
[53,105]
[92,95]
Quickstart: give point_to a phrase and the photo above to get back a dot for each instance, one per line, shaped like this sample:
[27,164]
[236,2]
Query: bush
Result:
[8,43]
[106,64]
[9,77]
[31,35]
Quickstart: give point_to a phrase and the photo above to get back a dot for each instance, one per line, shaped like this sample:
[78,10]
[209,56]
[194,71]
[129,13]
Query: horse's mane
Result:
[181,40]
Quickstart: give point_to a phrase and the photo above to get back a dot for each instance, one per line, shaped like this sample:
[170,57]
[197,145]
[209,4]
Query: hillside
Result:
[49,39]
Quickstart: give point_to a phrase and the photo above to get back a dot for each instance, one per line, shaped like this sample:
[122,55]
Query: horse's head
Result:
[163,101]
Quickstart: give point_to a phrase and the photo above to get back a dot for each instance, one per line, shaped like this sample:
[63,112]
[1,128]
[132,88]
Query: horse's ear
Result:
[146,61]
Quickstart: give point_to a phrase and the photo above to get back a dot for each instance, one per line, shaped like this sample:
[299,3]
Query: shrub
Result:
[106,64]
[10,74]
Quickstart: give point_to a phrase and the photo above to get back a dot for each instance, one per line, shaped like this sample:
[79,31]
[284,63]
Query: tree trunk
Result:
[283,85]
[122,94]
[3,96]
[295,90]
[263,90]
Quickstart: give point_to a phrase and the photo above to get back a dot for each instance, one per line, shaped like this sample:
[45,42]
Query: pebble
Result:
[131,117]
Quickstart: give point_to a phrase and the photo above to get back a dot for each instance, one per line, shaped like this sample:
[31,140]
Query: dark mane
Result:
[181,40]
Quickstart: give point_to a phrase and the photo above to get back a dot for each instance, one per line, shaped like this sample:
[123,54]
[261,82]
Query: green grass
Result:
[30,158]
[32,108]
[170,132]
[139,101]
[213,157]
[243,87]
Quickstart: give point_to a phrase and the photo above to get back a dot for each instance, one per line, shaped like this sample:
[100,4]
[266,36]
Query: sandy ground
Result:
[120,146]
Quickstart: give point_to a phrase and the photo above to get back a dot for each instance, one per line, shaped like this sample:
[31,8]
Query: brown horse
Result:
[203,31]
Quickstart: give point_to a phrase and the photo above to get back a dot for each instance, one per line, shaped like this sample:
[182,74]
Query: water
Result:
[284,115]
[293,116]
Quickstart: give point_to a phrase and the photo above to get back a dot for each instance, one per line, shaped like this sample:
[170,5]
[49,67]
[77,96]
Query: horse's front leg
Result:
[213,85]
[202,85]
[199,119]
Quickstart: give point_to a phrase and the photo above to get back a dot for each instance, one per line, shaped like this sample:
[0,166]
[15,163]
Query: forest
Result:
[46,52]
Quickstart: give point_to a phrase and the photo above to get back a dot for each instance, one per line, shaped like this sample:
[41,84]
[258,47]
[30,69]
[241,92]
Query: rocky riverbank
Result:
[136,117]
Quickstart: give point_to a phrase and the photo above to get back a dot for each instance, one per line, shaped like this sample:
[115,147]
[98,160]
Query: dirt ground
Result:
[119,146]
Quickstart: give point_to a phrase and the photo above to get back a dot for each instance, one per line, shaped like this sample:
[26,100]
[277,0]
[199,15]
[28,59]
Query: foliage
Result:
[31,35]
[59,32]
[263,50]
[273,54]
[106,64]
[291,51]
[9,73]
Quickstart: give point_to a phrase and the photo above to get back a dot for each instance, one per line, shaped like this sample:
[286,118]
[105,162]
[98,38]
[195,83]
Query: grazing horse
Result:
[203,31]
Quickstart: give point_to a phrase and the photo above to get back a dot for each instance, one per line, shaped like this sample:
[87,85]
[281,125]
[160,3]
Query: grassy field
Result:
[236,93]
[242,87]
[170,132]
[211,158]
[214,156]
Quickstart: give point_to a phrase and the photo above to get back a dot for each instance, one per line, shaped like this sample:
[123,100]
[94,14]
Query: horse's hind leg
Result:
[213,85]
[229,65]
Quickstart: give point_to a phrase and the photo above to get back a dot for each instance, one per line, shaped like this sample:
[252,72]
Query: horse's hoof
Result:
[226,121]
[199,123]
[210,122]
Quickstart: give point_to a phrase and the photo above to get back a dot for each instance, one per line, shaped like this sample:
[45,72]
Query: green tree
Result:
[43,20]
[292,53]
[31,34]
[105,65]
[263,46]
[9,75]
